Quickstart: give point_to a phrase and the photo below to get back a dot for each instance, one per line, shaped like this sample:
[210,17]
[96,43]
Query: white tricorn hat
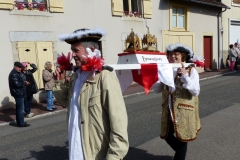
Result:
[178,47]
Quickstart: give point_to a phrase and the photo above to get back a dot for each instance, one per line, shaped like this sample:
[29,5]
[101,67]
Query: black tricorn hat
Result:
[83,35]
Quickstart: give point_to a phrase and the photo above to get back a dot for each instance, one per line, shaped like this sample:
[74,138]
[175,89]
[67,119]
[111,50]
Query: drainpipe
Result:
[218,32]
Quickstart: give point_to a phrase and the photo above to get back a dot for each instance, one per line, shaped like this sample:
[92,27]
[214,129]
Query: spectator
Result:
[18,90]
[48,82]
[180,114]
[31,87]
[238,55]
[232,57]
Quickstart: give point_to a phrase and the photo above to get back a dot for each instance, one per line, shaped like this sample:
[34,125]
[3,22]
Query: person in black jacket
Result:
[31,86]
[18,90]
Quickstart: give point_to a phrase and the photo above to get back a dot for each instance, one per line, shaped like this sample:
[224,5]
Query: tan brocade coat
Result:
[185,113]
[103,115]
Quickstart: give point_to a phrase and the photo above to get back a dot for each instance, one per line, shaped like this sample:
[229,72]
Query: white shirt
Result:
[191,83]
[74,129]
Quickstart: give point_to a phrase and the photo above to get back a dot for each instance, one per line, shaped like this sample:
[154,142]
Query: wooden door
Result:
[44,54]
[207,47]
[38,53]
[27,53]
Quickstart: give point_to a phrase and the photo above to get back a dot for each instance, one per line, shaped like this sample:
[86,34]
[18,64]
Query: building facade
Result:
[230,27]
[30,30]
[195,23]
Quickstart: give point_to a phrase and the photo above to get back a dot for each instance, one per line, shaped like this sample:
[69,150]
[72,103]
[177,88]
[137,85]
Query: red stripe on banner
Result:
[147,77]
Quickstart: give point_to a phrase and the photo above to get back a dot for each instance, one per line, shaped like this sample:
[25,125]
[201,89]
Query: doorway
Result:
[207,48]
[37,53]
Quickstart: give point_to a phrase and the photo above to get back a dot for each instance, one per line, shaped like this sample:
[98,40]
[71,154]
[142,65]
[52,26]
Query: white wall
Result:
[91,14]
[234,14]
[78,14]
[203,21]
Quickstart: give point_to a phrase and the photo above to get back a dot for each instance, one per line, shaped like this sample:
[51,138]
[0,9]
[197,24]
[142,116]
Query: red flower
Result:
[199,63]
[41,7]
[20,6]
[65,62]
[30,5]
[93,64]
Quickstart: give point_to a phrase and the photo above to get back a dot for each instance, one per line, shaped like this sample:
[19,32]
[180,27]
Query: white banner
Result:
[146,58]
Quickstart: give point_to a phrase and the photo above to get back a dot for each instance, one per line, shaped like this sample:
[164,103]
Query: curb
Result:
[219,75]
[36,117]
[126,96]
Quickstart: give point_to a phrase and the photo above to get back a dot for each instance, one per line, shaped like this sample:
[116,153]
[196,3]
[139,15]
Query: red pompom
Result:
[65,62]
[93,64]
[199,63]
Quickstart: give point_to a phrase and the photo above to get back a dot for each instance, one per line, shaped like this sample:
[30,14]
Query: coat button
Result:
[82,121]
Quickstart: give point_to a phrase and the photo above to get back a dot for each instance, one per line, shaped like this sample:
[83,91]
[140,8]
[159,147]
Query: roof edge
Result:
[209,4]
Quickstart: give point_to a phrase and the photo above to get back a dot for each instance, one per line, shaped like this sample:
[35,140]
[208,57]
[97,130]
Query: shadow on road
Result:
[51,153]
[139,154]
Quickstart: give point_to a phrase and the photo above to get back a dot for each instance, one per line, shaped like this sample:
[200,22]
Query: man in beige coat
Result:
[97,118]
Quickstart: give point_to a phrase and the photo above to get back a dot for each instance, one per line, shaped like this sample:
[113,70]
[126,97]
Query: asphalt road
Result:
[46,139]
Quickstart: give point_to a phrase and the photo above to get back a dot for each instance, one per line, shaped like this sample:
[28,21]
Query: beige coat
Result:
[48,80]
[103,115]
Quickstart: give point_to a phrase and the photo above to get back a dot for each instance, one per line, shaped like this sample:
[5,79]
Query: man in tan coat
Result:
[97,118]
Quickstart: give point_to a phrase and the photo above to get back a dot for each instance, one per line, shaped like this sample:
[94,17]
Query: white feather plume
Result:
[197,58]
[91,53]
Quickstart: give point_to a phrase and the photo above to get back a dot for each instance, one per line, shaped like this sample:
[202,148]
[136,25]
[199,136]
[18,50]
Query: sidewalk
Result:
[39,109]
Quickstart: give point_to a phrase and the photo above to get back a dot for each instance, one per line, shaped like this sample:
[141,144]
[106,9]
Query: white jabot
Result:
[74,129]
[191,83]
[166,76]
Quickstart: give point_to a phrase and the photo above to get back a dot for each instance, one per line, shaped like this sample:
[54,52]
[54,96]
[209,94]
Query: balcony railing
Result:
[30,6]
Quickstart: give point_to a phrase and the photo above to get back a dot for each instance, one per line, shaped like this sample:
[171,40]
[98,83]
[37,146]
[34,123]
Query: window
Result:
[236,2]
[40,5]
[35,5]
[178,17]
[132,8]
